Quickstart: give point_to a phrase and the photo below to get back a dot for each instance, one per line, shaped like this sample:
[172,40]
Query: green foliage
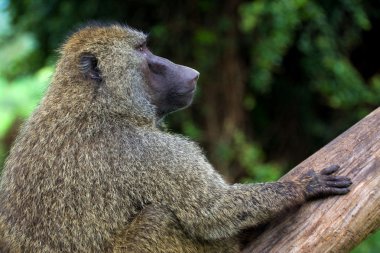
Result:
[332,74]
[370,245]
[314,42]
[274,23]
[13,52]
[19,98]
[277,27]
[251,158]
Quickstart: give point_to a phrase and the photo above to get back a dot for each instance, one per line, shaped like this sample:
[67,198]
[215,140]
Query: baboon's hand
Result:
[323,184]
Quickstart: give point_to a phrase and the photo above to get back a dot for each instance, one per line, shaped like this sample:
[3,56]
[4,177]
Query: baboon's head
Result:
[114,64]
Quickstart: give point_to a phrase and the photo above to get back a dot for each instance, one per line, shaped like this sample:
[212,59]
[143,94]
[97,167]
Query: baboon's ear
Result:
[88,65]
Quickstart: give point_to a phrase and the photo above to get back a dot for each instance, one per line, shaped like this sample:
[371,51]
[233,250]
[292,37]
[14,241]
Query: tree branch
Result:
[336,224]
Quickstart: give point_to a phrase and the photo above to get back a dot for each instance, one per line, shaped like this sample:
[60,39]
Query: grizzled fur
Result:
[91,172]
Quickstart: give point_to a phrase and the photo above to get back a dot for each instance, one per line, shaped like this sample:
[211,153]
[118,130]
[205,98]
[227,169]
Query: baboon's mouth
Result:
[189,91]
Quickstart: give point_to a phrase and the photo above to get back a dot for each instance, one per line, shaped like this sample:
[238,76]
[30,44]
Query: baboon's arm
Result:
[239,206]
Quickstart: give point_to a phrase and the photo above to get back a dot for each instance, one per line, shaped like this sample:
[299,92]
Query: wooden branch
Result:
[336,224]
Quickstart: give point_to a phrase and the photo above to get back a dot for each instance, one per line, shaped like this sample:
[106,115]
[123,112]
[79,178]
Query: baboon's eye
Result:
[141,47]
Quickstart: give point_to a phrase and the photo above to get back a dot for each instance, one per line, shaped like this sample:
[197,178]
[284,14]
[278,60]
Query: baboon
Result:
[91,171]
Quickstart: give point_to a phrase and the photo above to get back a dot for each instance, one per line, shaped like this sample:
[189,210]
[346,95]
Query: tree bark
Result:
[338,223]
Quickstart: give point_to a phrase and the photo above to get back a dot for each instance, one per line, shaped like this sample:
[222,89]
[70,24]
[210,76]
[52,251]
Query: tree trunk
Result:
[336,224]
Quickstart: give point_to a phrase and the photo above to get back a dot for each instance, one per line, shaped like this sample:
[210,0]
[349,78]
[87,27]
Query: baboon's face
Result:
[171,86]
[117,59]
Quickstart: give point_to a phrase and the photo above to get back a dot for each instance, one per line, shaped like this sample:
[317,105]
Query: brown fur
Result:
[91,172]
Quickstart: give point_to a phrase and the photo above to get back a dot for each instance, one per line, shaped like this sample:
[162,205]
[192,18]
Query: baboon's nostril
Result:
[196,76]
[193,74]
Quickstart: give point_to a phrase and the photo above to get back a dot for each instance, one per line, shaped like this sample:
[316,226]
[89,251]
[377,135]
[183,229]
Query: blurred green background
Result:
[279,79]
